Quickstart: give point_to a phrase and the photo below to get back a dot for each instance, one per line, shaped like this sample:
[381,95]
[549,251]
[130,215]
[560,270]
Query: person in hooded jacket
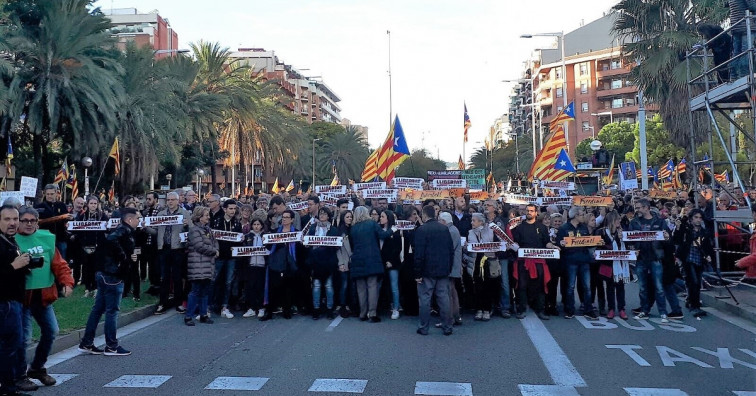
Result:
[202,250]
[324,263]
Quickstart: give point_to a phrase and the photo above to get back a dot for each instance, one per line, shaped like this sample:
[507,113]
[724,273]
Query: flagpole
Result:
[391,104]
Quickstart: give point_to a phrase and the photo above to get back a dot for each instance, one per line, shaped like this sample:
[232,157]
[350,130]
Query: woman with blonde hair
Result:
[202,250]
[366,261]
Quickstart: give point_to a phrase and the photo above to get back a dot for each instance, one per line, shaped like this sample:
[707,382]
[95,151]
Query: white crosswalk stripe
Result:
[654,392]
[59,378]
[238,383]
[547,390]
[338,385]
[744,393]
[138,381]
[443,388]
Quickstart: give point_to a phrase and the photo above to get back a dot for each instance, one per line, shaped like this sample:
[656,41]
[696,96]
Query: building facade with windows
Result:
[129,25]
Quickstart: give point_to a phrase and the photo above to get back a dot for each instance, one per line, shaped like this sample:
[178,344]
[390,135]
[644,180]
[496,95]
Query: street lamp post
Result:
[86,162]
[564,74]
[169,177]
[200,173]
[313,163]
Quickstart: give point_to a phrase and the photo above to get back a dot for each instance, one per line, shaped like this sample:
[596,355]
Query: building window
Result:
[559,92]
[617,103]
[584,69]
[616,84]
[616,64]
[558,73]
[559,108]
[586,125]
[584,107]
[584,87]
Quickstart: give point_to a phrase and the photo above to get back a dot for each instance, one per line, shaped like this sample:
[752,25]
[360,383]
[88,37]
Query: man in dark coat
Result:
[434,256]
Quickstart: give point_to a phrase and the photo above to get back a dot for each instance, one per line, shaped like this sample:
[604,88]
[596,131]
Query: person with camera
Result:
[117,257]
[48,271]
[12,288]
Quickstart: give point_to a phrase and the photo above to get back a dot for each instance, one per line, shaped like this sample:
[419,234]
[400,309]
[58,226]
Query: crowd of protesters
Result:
[425,270]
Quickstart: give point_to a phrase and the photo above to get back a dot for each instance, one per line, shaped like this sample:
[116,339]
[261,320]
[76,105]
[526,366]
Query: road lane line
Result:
[238,383]
[734,320]
[138,381]
[59,378]
[334,323]
[654,392]
[443,388]
[556,361]
[547,390]
[72,352]
[339,385]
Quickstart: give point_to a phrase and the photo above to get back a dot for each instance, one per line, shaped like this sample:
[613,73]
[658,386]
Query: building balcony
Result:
[603,93]
[622,110]
[611,72]
[547,101]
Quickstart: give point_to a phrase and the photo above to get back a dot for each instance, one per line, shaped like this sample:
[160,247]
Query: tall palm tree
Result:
[66,85]
[658,33]
[347,151]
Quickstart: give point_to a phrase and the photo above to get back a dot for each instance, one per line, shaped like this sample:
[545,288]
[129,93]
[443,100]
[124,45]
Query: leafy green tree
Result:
[617,138]
[418,164]
[660,148]
[325,130]
[347,150]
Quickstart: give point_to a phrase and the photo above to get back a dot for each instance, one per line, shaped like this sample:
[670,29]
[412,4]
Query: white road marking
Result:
[59,378]
[547,390]
[338,385]
[334,323]
[556,361]
[744,393]
[238,383]
[734,320]
[138,381]
[654,392]
[73,352]
[443,388]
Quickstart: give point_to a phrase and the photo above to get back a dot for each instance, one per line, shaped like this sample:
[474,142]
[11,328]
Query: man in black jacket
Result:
[12,288]
[117,256]
[434,255]
[56,214]
[461,217]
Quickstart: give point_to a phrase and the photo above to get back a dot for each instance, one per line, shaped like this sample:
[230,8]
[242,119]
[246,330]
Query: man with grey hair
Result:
[434,255]
[171,255]
[216,212]
[455,277]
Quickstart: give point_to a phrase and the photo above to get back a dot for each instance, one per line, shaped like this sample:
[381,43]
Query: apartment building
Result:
[129,25]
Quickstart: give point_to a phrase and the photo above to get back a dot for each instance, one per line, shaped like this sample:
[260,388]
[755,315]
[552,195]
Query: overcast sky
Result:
[443,53]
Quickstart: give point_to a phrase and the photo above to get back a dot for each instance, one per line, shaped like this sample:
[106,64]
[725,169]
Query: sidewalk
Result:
[720,299]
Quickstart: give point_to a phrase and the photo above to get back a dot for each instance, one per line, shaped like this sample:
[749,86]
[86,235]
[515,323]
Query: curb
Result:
[743,310]
[73,338]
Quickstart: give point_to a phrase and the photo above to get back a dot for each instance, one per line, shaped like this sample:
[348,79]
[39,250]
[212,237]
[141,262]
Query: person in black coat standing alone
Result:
[434,255]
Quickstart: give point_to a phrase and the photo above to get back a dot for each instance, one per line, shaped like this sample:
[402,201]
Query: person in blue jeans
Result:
[577,261]
[324,263]
[225,263]
[117,258]
[650,253]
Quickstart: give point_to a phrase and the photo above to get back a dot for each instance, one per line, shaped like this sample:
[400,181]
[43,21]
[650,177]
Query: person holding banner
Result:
[225,264]
[694,252]
[577,260]
[255,270]
[532,274]
[41,292]
[202,251]
[148,262]
[171,254]
[614,273]
[324,263]
[282,268]
[484,268]
[366,261]
[649,265]
[390,254]
[54,215]
[87,242]
[344,257]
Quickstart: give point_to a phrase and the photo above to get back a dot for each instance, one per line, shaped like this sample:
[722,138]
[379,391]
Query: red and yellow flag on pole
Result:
[467,122]
[461,163]
[543,165]
[371,166]
[116,155]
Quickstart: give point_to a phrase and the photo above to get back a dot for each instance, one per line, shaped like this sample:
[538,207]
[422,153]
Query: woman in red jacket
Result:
[748,263]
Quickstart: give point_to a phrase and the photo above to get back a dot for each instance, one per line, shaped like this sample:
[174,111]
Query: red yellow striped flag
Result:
[371,167]
[544,163]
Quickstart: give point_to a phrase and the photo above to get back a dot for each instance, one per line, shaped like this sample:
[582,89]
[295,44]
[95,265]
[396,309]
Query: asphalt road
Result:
[712,356]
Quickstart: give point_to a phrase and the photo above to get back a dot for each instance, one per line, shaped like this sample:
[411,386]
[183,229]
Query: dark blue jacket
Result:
[573,255]
[434,251]
[115,253]
[366,253]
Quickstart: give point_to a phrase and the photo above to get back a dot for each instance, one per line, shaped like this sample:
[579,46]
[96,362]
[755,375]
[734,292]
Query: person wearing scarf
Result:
[694,252]
[344,256]
[617,272]
[255,271]
[323,262]
[484,268]
[532,275]
[88,241]
[282,270]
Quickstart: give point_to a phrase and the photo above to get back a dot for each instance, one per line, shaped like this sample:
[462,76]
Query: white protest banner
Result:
[18,195]
[615,255]
[463,241]
[154,221]
[487,247]
[405,225]
[183,236]
[407,182]
[87,226]
[350,205]
[341,189]
[538,253]
[28,186]
[297,206]
[519,199]
[328,200]
[386,193]
[312,240]
[247,251]
[642,236]
[559,201]
[557,185]
[449,183]
[282,237]
[114,223]
[228,236]
[500,233]
[515,221]
[368,186]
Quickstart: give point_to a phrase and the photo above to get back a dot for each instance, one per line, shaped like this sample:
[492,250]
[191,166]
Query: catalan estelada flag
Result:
[665,172]
[62,174]
[609,173]
[116,155]
[544,161]
[393,152]
[371,166]
[275,189]
[467,122]
[682,166]
[460,163]
[567,114]
[563,167]
[290,186]
[723,177]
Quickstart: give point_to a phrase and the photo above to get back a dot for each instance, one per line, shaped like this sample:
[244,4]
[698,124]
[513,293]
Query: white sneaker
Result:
[261,313]
[227,314]
[250,313]
[395,314]
[664,319]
